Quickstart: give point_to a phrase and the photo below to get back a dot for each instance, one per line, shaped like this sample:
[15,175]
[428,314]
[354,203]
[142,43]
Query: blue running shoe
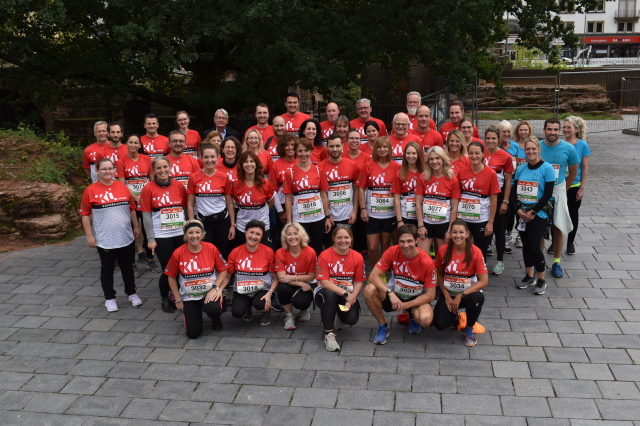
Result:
[556,271]
[381,335]
[414,327]
[469,337]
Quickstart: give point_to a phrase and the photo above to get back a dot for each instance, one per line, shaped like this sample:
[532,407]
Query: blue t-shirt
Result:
[514,149]
[582,149]
[531,184]
[560,156]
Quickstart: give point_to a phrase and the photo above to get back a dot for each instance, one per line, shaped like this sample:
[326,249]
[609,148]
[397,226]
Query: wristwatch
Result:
[215,287]
[345,295]
[389,291]
[506,201]
[327,217]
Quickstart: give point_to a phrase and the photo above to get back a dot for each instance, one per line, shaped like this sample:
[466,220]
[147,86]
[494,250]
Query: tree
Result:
[118,48]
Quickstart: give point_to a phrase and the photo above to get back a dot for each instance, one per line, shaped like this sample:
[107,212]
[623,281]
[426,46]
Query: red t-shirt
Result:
[253,270]
[429,139]
[411,277]
[413,122]
[91,155]
[318,154]
[340,178]
[398,145]
[327,129]
[460,164]
[358,124]
[476,190]
[305,188]
[266,133]
[135,173]
[437,194]
[192,147]
[109,207]
[304,264]
[501,162]
[266,160]
[155,147]
[232,173]
[377,182]
[166,206]
[361,159]
[115,154]
[196,272]
[341,270]
[448,127]
[277,173]
[459,276]
[407,190]
[253,203]
[183,167]
[273,149]
[209,192]
[293,122]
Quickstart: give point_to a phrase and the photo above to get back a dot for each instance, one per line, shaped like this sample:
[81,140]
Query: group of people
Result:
[284,218]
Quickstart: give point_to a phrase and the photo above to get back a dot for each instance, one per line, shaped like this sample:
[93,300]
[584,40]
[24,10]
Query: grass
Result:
[540,114]
[72,234]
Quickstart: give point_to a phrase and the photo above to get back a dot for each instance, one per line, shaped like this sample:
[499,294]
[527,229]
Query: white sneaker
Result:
[289,321]
[519,242]
[330,342]
[111,305]
[135,300]
[305,315]
[339,325]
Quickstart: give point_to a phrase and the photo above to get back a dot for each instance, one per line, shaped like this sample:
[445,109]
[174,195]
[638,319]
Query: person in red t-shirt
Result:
[426,131]
[253,142]
[412,286]
[310,129]
[405,184]
[293,117]
[228,163]
[262,116]
[154,145]
[456,113]
[340,274]
[182,166]
[255,279]
[197,274]
[115,149]
[363,108]
[342,128]
[328,127]
[192,146]
[286,148]
[109,221]
[354,147]
[400,136]
[296,270]
[457,152]
[95,151]
[414,101]
[467,128]
[271,143]
[462,274]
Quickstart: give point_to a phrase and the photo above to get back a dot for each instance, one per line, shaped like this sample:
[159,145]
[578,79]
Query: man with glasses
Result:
[221,119]
[456,113]
[427,134]
[293,117]
[400,136]
[363,108]
[95,151]
[182,166]
[328,126]
[414,100]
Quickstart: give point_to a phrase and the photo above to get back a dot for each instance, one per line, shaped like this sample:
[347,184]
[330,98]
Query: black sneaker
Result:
[550,249]
[489,251]
[217,323]
[154,267]
[541,285]
[136,271]
[526,282]
[142,259]
[248,316]
[117,266]
[276,306]
[571,249]
[508,249]
[265,319]
[167,306]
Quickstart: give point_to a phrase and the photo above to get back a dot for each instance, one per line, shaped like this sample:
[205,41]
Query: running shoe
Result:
[265,319]
[330,342]
[540,287]
[381,335]
[111,305]
[526,282]
[153,265]
[135,300]
[556,271]
[518,242]
[489,251]
[167,306]
[469,337]
[248,316]
[339,325]
[276,306]
[414,327]
[550,249]
[142,258]
[117,265]
[571,249]
[289,321]
[507,239]
[305,315]
[508,249]
[136,271]
[216,323]
[498,269]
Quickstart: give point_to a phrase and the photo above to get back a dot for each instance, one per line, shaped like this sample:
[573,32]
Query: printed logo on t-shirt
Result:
[191,266]
[204,186]
[165,200]
[107,197]
[133,171]
[469,184]
[379,180]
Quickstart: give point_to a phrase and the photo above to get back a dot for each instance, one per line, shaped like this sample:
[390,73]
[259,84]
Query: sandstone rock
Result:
[23,199]
[49,226]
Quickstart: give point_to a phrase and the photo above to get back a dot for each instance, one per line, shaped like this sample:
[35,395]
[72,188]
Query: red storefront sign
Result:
[610,40]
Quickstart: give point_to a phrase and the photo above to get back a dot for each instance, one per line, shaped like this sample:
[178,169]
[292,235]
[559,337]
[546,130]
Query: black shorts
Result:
[436,231]
[375,226]
[386,303]
[413,222]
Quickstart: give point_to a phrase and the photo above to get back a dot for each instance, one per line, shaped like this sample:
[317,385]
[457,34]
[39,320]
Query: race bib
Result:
[136,184]
[521,161]
[309,207]
[345,285]
[469,208]
[250,287]
[456,284]
[527,192]
[184,180]
[192,153]
[197,288]
[556,169]
[403,289]
[514,162]
[435,210]
[381,201]
[171,218]
[411,207]
[339,195]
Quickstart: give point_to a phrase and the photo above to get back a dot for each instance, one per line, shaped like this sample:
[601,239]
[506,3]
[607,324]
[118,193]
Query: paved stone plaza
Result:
[569,357]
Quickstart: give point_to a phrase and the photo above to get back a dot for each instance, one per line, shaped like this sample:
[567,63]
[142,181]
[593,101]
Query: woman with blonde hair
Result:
[214,138]
[437,196]
[457,151]
[296,270]
[192,137]
[253,142]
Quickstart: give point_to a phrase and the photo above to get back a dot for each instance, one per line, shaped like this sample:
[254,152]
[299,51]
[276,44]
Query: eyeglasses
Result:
[401,124]
[107,170]
[466,127]
[176,141]
[362,108]
[220,118]
[356,138]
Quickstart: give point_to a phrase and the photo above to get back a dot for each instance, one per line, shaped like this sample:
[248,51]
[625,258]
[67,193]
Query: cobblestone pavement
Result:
[567,358]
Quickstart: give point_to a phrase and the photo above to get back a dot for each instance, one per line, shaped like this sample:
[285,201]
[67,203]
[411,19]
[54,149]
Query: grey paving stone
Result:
[564,326]
[104,406]
[391,382]
[102,338]
[172,389]
[618,342]
[126,388]
[485,385]
[541,421]
[618,390]
[46,383]
[19,418]
[29,321]
[249,359]
[508,338]
[286,361]
[289,416]
[566,354]
[315,397]
[533,387]
[256,376]
[264,395]
[626,372]
[207,374]
[62,350]
[618,409]
[185,411]
[383,418]
[56,366]
[128,370]
[418,402]
[92,368]
[33,335]
[98,352]
[592,371]
[466,368]
[28,349]
[83,385]
[13,400]
[302,378]
[50,403]
[135,339]
[236,414]
[525,406]
[350,347]
[511,369]
[60,420]
[600,327]
[164,355]
[567,388]
[418,366]
[215,392]
[243,344]
[13,381]
[289,346]
[475,420]
[580,340]
[133,354]
[439,419]
[366,399]
[471,404]
[551,370]
[574,408]
[525,353]
[23,364]
[342,380]
[377,364]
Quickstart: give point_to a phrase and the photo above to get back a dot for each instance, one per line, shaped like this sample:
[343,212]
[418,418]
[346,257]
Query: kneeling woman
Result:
[296,270]
[201,274]
[340,275]
[462,274]
[256,280]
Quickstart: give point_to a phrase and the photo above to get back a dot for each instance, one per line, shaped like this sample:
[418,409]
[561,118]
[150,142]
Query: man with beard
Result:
[456,114]
[115,150]
[414,100]
[262,116]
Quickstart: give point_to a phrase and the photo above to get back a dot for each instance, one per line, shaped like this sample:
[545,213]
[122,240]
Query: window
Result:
[625,27]
[568,25]
[567,6]
[599,7]
[595,27]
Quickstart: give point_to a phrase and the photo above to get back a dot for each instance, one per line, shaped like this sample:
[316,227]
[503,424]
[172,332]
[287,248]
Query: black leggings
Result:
[145,242]
[328,303]
[192,314]
[479,239]
[286,295]
[108,259]
[531,237]
[217,233]
[472,304]
[316,234]
[242,302]
[164,250]
[574,206]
